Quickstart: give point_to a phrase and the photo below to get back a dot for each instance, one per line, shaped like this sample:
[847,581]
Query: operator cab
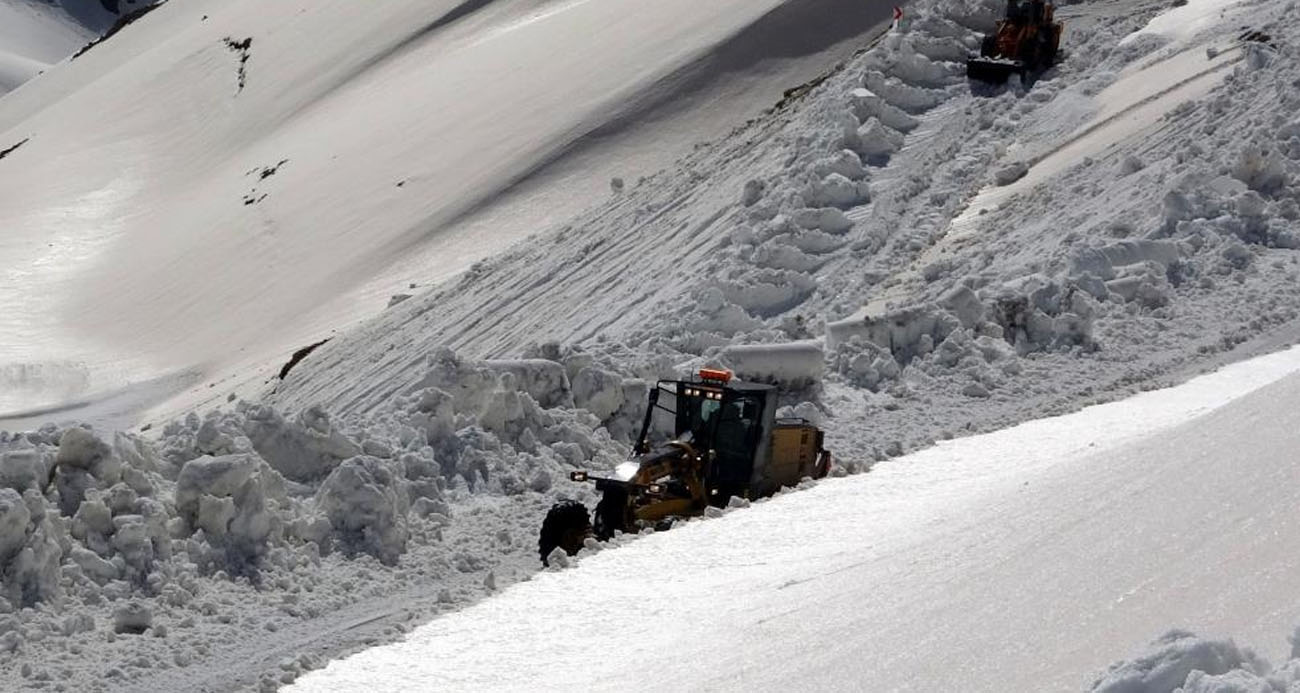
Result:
[726,420]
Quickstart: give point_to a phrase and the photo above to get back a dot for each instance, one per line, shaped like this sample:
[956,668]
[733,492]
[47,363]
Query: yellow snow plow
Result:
[727,442]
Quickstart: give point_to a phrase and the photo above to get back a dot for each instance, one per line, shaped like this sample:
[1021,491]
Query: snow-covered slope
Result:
[35,34]
[1024,560]
[223,182]
[1121,263]
[387,480]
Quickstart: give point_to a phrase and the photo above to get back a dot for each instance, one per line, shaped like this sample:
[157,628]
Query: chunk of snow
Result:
[1171,662]
[133,617]
[793,364]
[366,503]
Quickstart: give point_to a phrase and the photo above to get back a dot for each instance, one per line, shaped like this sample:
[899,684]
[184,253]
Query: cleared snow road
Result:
[1024,560]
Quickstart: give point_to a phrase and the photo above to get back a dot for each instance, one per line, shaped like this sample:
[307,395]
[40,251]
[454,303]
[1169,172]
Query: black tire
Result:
[611,514]
[566,525]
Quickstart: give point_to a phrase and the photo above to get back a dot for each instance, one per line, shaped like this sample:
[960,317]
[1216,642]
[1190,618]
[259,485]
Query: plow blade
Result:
[993,70]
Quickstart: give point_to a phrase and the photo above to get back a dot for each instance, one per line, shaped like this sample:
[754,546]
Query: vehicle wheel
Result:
[567,525]
[611,514]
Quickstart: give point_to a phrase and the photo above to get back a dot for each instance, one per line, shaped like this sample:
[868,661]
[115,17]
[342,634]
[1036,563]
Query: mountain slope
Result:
[34,35]
[344,138]
[864,226]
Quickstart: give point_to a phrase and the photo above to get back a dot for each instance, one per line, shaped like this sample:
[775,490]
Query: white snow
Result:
[350,150]
[1021,560]
[1186,19]
[386,479]
[36,34]
[793,364]
[1136,101]
[366,502]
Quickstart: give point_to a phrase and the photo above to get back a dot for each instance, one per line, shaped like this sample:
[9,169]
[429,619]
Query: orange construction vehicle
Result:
[1025,42]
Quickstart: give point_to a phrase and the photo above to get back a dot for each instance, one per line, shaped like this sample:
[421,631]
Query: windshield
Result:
[698,413]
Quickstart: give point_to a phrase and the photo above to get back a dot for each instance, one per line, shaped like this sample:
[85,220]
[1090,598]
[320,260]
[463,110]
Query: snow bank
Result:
[766,247]
[1181,662]
[133,538]
[366,501]
[305,449]
[1031,313]
[794,365]
[546,381]
[29,549]
[222,504]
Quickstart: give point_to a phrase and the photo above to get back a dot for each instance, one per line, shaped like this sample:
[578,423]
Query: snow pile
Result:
[1181,662]
[95,517]
[794,365]
[487,430]
[221,503]
[795,220]
[1141,271]
[132,617]
[305,449]
[612,383]
[467,427]
[135,537]
[366,502]
[965,331]
[29,549]
[1256,205]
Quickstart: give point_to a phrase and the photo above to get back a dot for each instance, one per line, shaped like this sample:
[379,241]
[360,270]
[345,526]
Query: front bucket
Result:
[992,70]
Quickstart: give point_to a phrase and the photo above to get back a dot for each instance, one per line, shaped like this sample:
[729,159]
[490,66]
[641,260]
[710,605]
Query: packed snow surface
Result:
[1023,560]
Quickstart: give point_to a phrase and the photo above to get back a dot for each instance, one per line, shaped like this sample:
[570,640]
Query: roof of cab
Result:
[738,385]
